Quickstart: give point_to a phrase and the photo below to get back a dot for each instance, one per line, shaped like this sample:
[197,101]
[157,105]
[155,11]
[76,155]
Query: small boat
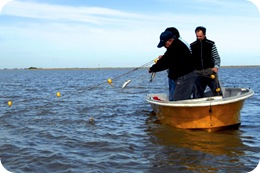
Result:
[210,113]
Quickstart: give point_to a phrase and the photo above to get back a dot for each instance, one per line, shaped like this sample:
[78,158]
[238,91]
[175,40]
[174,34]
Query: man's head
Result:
[166,39]
[174,31]
[200,32]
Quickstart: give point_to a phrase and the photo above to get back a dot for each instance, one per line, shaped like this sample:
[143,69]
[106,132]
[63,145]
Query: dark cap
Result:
[174,31]
[164,37]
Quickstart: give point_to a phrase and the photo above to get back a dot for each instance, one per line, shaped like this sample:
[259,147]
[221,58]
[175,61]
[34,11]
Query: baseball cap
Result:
[164,37]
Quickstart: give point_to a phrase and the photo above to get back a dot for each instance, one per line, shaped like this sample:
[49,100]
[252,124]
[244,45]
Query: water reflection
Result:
[196,150]
[216,143]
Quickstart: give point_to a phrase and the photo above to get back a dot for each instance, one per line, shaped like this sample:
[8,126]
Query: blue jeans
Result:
[184,86]
[171,88]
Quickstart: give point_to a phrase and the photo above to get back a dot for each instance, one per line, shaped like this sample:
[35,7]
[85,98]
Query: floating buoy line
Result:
[109,80]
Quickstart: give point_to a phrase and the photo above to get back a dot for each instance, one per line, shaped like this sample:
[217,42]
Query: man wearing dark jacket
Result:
[178,60]
[207,62]
[171,82]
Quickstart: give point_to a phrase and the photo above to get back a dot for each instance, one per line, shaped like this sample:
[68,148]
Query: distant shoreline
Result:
[240,66]
[111,68]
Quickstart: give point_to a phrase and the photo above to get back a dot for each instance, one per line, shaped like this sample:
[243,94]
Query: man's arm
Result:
[215,56]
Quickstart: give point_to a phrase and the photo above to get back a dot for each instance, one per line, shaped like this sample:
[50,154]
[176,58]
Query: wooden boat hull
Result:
[210,113]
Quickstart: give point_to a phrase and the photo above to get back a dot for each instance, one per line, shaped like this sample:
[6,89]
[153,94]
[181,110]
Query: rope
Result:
[146,64]
[124,74]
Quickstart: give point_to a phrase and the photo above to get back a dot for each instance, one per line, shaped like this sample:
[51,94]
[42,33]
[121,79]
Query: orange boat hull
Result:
[210,118]
[210,113]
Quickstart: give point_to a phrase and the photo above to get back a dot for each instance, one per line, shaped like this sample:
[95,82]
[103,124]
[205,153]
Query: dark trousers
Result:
[203,81]
[184,86]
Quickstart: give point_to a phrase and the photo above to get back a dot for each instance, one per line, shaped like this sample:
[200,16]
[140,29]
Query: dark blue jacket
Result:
[177,59]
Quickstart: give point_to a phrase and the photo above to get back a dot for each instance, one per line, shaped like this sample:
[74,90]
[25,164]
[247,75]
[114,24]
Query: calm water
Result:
[43,133]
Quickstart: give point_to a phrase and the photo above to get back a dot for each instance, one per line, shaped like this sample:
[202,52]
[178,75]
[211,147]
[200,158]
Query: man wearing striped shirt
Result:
[207,62]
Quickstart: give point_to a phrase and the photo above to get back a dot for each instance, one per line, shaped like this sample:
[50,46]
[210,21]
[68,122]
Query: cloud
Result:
[95,15]
[81,32]
[105,16]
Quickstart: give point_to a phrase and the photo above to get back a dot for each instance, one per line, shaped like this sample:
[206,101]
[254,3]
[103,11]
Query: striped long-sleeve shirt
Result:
[215,56]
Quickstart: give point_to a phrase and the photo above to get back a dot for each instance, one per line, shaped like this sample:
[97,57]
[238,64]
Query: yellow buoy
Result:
[212,76]
[218,89]
[109,81]
[9,103]
[58,94]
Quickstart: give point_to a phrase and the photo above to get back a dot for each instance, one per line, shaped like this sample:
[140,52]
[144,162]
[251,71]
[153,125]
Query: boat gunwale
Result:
[206,101]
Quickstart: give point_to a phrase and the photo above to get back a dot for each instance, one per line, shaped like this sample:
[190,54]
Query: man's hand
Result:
[215,69]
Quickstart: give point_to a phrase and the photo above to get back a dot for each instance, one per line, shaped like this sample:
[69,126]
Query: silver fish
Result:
[152,77]
[126,83]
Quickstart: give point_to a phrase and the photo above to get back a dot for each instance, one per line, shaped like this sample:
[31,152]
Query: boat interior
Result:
[228,92]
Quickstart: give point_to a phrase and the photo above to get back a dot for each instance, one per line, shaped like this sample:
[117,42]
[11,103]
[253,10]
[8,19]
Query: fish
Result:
[126,83]
[152,76]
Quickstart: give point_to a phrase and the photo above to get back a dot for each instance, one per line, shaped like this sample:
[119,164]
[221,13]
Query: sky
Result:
[116,33]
